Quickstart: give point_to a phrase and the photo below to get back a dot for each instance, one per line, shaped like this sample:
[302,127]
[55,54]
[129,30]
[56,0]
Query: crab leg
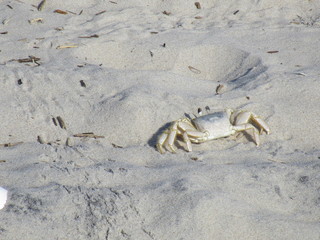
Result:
[246,117]
[193,136]
[186,128]
[172,136]
[262,125]
[196,136]
[187,141]
[163,137]
[242,117]
[249,126]
[190,133]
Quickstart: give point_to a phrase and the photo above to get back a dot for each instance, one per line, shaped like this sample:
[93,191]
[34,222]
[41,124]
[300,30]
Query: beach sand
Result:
[122,71]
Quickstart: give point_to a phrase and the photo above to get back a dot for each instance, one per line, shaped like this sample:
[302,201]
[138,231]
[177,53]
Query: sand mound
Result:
[216,63]
[129,116]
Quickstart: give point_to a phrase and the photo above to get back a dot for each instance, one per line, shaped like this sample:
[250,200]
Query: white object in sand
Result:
[3,197]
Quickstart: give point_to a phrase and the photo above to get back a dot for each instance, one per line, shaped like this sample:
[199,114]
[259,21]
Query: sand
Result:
[122,71]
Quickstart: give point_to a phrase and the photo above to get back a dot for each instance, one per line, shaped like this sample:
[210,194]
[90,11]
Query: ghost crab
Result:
[211,126]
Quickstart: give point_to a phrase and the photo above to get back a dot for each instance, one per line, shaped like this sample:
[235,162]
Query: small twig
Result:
[31,59]
[219,89]
[54,121]
[10,144]
[194,70]
[276,160]
[66,46]
[166,13]
[60,11]
[197,4]
[100,12]
[41,5]
[116,146]
[5,21]
[92,36]
[72,12]
[87,135]
[273,51]
[300,73]
[59,28]
[61,122]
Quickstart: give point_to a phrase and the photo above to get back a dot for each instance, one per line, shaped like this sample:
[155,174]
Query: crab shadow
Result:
[153,140]
[252,78]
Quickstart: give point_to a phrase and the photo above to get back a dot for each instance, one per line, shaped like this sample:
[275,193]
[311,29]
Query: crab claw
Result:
[244,117]
[261,124]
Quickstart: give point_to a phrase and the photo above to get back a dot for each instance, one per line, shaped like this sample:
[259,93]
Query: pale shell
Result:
[3,197]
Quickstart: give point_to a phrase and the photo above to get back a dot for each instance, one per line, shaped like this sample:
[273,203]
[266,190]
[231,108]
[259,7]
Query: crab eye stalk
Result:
[199,111]
[207,108]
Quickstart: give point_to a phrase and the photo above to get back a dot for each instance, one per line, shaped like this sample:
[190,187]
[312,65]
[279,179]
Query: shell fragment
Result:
[3,197]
